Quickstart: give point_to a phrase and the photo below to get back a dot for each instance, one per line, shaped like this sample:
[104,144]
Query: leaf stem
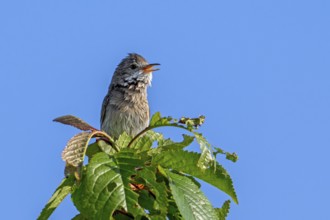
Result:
[103,134]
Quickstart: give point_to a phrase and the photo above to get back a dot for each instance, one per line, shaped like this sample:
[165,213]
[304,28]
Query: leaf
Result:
[123,140]
[74,151]
[170,145]
[145,142]
[163,142]
[173,210]
[94,148]
[190,200]
[106,147]
[192,123]
[223,211]
[156,117]
[206,157]
[60,193]
[106,186]
[157,120]
[229,156]
[156,202]
[75,122]
[79,217]
[188,123]
[186,162]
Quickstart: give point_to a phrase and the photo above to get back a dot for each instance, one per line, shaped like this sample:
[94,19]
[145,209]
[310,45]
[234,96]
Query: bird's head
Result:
[134,70]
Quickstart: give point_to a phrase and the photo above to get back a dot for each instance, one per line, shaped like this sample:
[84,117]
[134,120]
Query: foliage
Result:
[141,177]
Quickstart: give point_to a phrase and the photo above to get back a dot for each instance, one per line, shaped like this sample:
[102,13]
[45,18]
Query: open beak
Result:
[149,68]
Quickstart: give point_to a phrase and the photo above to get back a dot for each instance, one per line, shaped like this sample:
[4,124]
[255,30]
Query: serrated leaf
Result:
[163,142]
[145,142]
[157,120]
[190,200]
[157,191]
[186,162]
[60,193]
[75,122]
[193,180]
[170,145]
[123,140]
[105,187]
[206,159]
[188,124]
[156,117]
[223,211]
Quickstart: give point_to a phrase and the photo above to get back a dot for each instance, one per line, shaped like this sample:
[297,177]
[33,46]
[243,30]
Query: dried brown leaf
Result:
[75,122]
[74,151]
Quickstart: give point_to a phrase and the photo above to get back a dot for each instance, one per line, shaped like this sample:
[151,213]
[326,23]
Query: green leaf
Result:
[187,123]
[145,142]
[206,157]
[186,162]
[192,123]
[157,120]
[106,186]
[60,193]
[190,200]
[156,117]
[229,156]
[170,145]
[123,140]
[93,149]
[163,142]
[156,202]
[79,217]
[173,210]
[105,147]
[223,211]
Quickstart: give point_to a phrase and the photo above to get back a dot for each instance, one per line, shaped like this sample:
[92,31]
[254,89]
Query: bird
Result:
[125,107]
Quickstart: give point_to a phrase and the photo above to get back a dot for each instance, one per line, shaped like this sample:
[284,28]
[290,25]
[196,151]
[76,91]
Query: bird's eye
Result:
[133,66]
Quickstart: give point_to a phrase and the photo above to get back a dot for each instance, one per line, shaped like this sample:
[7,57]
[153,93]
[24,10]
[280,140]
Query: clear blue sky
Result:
[259,70]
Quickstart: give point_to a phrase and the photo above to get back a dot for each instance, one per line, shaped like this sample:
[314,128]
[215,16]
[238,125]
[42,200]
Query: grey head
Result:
[125,108]
[133,71]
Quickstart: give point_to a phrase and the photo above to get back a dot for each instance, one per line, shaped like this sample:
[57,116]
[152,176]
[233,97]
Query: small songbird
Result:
[125,107]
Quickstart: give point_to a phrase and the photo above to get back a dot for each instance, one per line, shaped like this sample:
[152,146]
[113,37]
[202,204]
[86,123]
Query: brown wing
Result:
[104,107]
